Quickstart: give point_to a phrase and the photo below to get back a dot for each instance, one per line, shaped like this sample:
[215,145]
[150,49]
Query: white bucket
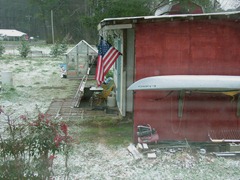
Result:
[111,101]
[7,78]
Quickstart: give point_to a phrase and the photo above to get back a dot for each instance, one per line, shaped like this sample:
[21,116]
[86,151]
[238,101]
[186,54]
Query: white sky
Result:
[229,4]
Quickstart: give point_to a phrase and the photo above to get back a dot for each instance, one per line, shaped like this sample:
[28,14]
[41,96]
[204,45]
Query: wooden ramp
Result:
[79,94]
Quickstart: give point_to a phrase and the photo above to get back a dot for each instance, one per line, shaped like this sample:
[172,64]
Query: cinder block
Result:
[234,147]
[145,146]
[152,155]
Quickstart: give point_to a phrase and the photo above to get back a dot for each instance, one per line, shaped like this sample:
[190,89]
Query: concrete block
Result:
[233,147]
[145,146]
[152,155]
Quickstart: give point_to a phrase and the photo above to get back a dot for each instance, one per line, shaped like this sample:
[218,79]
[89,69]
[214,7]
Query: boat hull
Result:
[188,82]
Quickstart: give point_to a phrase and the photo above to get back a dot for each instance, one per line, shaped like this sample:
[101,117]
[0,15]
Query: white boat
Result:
[188,82]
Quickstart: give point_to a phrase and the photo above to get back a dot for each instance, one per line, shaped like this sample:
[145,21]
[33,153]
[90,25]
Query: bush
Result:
[28,147]
[109,74]
[24,49]
[58,49]
[2,49]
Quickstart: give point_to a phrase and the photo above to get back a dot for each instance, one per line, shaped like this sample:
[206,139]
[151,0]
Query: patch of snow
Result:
[96,161]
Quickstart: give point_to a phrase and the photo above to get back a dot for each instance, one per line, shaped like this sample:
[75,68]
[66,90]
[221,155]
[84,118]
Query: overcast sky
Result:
[229,4]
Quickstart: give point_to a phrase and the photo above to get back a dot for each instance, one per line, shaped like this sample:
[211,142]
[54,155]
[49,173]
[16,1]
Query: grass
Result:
[9,93]
[18,43]
[107,130]
[39,63]
[17,70]
[6,59]
[121,134]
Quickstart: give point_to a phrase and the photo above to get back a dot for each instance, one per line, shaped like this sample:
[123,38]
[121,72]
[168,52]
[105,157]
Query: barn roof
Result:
[11,33]
[128,22]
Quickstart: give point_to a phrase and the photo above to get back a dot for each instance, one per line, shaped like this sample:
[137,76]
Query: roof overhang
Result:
[116,26]
[128,22]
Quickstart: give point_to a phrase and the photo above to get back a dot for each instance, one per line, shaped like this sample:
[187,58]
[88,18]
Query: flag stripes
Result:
[107,55]
[110,59]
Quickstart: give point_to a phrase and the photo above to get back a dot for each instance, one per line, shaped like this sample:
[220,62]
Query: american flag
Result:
[107,55]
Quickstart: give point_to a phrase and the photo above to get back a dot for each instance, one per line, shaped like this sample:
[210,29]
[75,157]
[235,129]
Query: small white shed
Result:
[12,35]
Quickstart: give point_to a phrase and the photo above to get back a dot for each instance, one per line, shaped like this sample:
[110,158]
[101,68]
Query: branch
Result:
[74,12]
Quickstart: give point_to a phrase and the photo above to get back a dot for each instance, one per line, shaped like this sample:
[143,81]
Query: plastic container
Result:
[111,101]
[7,78]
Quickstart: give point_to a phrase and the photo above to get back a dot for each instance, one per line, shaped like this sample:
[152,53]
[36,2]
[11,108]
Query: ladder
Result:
[79,94]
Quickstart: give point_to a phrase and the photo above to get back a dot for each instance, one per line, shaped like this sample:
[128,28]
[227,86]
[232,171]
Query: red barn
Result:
[192,44]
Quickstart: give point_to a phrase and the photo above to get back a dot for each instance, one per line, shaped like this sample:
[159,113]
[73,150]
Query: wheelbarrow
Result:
[147,134]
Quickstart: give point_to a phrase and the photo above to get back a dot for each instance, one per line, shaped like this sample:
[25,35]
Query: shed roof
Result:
[83,48]
[127,22]
[11,33]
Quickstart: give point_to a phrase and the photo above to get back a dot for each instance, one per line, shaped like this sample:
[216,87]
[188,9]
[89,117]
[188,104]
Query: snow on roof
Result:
[11,33]
[121,22]
[166,16]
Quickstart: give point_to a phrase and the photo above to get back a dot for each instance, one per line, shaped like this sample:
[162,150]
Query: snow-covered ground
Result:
[37,81]
[97,161]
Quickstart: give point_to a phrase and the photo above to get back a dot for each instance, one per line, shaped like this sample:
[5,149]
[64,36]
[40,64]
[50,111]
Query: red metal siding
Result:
[187,47]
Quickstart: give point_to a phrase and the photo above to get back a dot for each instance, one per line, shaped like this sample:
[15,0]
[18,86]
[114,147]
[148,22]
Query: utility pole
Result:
[52,26]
